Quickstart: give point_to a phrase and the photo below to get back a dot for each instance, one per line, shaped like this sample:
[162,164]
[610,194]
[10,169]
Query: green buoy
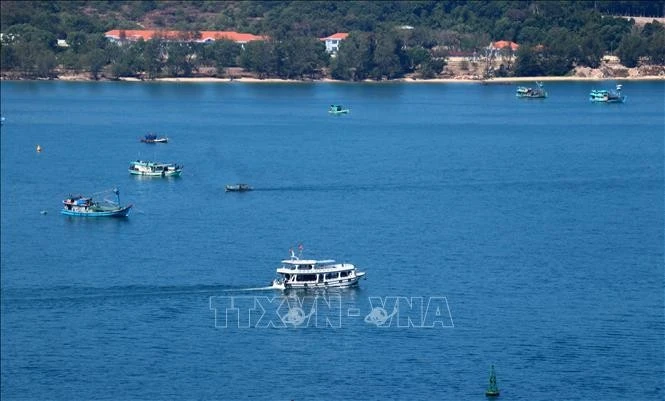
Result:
[492,389]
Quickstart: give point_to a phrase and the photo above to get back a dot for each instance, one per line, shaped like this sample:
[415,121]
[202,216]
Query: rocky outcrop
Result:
[609,71]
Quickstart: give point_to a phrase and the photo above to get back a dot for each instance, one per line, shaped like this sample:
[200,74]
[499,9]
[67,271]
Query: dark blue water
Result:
[540,222]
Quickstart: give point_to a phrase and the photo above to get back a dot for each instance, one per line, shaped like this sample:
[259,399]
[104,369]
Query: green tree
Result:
[630,50]
[153,57]
[96,60]
[8,59]
[259,57]
[222,54]
[528,62]
[354,58]
[389,58]
[299,57]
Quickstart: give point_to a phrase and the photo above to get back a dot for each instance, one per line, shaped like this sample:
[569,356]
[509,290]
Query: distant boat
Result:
[337,109]
[155,169]
[532,93]
[237,188]
[152,138]
[492,389]
[86,207]
[607,96]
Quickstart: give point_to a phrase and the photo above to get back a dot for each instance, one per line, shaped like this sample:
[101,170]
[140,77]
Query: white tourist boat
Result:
[311,273]
[154,169]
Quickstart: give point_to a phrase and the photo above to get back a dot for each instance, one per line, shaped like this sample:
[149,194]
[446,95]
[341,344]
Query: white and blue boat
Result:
[83,206]
[155,169]
[607,96]
[296,273]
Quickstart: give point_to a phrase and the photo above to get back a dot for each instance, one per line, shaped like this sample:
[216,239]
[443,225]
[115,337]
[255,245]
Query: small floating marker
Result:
[43,212]
[39,148]
[492,389]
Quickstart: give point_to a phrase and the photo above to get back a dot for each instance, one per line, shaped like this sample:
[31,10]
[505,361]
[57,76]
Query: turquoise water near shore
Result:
[539,221]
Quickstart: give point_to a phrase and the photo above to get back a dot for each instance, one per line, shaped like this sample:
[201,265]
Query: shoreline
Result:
[502,80]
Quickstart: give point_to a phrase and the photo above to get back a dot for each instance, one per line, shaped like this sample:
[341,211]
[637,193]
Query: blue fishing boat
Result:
[152,138]
[87,207]
[338,110]
[532,93]
[607,95]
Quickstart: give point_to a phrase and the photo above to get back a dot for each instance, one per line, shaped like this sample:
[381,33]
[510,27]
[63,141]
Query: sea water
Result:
[524,234]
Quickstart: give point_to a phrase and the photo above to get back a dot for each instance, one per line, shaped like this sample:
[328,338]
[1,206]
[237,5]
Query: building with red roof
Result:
[133,35]
[504,45]
[332,42]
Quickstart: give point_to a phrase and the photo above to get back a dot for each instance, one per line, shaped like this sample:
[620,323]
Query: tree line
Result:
[387,40]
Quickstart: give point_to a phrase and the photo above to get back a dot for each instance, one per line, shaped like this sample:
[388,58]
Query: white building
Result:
[332,42]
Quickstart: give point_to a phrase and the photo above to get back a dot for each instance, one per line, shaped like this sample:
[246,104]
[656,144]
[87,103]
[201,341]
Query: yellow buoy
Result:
[39,148]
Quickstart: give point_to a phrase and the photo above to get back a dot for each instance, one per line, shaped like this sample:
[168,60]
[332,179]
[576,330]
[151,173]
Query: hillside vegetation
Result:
[388,39]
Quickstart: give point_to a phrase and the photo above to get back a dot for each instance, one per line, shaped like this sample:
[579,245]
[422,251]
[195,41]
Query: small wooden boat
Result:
[336,109]
[86,207]
[155,169]
[237,188]
[152,138]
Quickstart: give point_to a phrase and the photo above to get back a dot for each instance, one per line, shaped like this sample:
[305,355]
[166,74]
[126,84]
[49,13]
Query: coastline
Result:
[465,80]
[404,80]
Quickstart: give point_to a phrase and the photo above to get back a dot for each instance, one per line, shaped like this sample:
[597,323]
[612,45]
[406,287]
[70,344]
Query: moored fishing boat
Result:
[87,207]
[299,273]
[607,95]
[532,93]
[154,169]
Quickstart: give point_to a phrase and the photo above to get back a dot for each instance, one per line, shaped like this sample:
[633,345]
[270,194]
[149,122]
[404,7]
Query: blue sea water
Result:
[535,225]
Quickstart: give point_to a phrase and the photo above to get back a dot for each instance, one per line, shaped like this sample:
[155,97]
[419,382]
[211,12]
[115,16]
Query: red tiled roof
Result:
[131,34]
[502,44]
[230,35]
[338,35]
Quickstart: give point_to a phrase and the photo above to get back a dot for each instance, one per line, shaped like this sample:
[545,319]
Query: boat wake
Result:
[249,289]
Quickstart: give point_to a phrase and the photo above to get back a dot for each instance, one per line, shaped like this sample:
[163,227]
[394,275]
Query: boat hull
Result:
[342,283]
[121,212]
[622,99]
[175,173]
[520,96]
[237,188]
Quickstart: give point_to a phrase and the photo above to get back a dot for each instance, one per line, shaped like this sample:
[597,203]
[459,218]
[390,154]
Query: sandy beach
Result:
[503,80]
[407,80]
